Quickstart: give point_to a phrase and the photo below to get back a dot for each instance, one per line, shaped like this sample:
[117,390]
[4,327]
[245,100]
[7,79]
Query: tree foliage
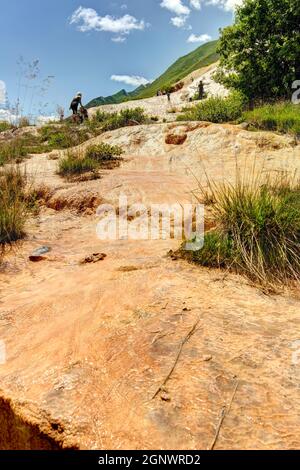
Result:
[260,53]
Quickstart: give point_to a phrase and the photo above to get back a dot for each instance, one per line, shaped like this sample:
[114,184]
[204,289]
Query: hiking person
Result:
[169,96]
[201,90]
[77,100]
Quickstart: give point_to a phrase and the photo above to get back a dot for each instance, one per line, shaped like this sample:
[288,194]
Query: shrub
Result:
[14,150]
[62,136]
[124,118]
[257,230]
[102,116]
[13,207]
[59,140]
[73,164]
[103,152]
[5,126]
[216,109]
[281,117]
[260,51]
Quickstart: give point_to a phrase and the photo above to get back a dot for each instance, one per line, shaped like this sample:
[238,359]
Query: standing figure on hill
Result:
[201,90]
[169,96]
[77,100]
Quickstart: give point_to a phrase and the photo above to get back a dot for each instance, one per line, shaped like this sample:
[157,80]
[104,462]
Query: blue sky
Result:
[84,43]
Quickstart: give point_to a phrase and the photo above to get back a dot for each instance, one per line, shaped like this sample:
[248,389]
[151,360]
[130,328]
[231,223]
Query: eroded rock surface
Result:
[88,346]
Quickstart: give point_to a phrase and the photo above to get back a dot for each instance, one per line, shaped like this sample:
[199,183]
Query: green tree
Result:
[260,53]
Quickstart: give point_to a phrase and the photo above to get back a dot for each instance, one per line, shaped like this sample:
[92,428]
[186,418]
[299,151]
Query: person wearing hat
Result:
[76,102]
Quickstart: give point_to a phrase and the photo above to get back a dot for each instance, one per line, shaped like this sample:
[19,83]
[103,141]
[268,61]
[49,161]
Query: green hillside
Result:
[203,56]
[119,97]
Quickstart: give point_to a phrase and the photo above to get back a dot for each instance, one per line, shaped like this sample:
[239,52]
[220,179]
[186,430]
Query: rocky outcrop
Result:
[89,348]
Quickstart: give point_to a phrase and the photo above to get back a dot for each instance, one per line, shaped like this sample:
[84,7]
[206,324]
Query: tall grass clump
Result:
[216,109]
[5,126]
[282,117]
[13,151]
[93,158]
[74,164]
[13,206]
[257,231]
[103,152]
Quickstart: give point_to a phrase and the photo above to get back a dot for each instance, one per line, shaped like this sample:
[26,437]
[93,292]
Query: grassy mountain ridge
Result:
[119,97]
[201,57]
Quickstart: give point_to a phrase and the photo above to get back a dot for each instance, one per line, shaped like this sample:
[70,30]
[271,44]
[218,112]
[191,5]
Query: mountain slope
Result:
[201,57]
[117,98]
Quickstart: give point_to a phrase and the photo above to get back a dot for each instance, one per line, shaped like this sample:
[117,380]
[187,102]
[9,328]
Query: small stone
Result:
[244,125]
[207,358]
[165,397]
[94,258]
[39,254]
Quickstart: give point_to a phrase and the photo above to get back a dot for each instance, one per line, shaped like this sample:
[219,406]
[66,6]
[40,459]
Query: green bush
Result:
[5,126]
[60,140]
[257,231]
[103,152]
[13,207]
[216,251]
[124,118]
[282,117]
[73,164]
[102,116]
[260,51]
[58,137]
[216,109]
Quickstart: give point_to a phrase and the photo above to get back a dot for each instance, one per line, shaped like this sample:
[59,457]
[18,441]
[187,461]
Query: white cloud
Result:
[9,116]
[182,12]
[2,92]
[132,80]
[196,4]
[42,120]
[175,6]
[119,39]
[179,21]
[88,19]
[6,115]
[227,5]
[124,6]
[202,38]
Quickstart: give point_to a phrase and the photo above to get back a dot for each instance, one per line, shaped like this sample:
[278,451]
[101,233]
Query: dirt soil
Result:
[90,347]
